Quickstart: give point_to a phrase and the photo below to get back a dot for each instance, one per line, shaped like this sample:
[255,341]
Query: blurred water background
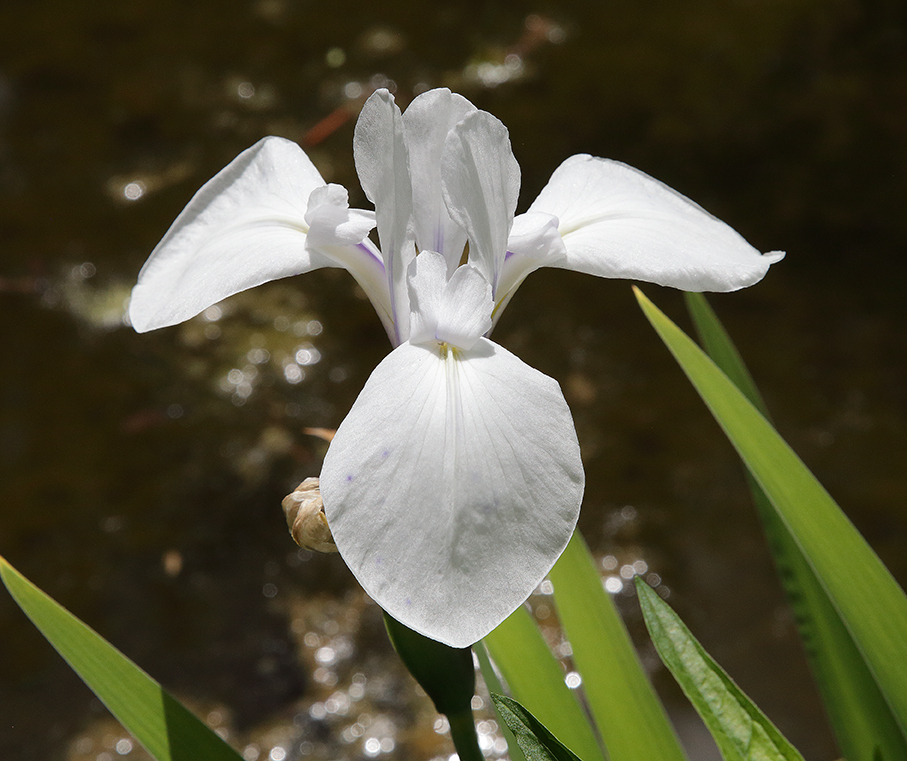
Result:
[141,476]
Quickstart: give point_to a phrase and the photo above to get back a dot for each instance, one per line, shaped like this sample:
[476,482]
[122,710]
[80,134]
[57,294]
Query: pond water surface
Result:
[141,476]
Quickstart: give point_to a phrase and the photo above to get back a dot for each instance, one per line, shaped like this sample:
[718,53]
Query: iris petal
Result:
[618,222]
[427,120]
[249,225]
[481,181]
[382,163]
[452,486]
[244,227]
[455,311]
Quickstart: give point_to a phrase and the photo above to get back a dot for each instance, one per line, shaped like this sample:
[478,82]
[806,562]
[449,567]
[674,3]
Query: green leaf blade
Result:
[630,718]
[536,680]
[166,728]
[719,346]
[741,731]
[496,688]
[445,673]
[533,738]
[868,599]
[860,717]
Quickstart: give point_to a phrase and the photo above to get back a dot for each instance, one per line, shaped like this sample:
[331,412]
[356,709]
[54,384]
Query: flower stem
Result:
[463,734]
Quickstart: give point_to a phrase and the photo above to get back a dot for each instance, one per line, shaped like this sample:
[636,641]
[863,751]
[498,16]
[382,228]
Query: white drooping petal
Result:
[382,162]
[455,311]
[427,121]
[618,222]
[244,227]
[481,181]
[452,486]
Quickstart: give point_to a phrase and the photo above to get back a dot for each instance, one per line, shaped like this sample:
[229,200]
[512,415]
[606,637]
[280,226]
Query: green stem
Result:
[463,734]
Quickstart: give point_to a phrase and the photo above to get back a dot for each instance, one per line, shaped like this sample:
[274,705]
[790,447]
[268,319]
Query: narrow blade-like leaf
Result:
[868,599]
[629,715]
[536,679]
[861,719]
[167,729]
[534,739]
[496,688]
[741,731]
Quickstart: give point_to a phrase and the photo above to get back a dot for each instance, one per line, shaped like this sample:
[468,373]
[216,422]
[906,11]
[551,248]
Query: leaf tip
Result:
[643,300]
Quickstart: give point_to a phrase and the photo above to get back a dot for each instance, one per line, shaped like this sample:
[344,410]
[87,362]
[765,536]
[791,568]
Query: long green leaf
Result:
[152,715]
[496,688]
[741,731]
[721,349]
[868,599]
[629,715]
[534,739]
[536,679]
[861,719]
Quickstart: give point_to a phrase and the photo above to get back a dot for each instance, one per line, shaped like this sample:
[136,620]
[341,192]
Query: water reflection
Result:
[142,477]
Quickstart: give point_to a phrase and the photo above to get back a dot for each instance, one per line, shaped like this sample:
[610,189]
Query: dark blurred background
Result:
[141,476]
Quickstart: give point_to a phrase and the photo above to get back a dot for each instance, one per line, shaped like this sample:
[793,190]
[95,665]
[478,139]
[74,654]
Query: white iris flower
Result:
[455,481]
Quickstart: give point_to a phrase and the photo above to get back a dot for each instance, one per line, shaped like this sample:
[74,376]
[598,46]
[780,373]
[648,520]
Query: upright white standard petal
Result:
[618,222]
[427,121]
[382,162]
[244,227]
[452,486]
[481,180]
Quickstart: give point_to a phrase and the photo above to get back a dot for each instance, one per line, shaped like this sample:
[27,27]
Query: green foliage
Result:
[445,673]
[628,714]
[536,679]
[862,721]
[740,729]
[536,742]
[448,677]
[152,715]
[871,605]
[852,617]
[496,688]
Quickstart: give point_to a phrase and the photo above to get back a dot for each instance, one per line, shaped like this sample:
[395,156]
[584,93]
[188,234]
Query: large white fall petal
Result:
[618,222]
[452,486]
